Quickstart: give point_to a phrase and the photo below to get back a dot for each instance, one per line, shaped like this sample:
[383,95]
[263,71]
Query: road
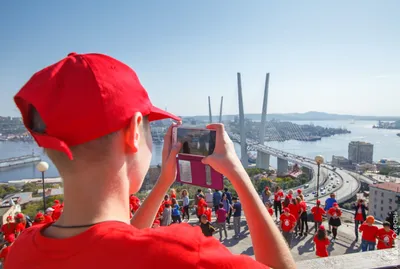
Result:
[345,184]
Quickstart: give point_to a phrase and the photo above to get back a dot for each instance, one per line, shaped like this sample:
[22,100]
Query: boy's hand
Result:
[169,152]
[224,158]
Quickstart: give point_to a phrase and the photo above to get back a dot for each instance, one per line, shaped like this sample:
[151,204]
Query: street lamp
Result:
[319,159]
[43,167]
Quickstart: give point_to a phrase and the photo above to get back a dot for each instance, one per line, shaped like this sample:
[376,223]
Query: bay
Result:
[386,145]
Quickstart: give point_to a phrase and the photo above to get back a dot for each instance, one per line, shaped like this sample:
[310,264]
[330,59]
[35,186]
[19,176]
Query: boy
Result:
[91,114]
[206,226]
[288,222]
[385,236]
[369,234]
[237,214]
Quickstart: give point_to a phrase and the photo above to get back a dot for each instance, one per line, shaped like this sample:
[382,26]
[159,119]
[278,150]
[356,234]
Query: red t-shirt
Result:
[387,237]
[335,212]
[278,196]
[294,210]
[270,211]
[303,206]
[57,213]
[135,202]
[359,215]
[208,214]
[48,218]
[4,253]
[317,212]
[9,230]
[200,207]
[287,222]
[119,245]
[320,247]
[369,233]
[20,227]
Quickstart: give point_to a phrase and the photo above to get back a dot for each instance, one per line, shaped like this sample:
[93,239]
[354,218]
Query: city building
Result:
[340,161]
[389,164]
[362,167]
[361,152]
[384,198]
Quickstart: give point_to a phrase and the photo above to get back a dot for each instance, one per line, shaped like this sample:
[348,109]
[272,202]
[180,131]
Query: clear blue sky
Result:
[332,56]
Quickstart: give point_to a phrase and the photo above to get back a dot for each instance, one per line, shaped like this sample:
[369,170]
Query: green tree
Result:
[29,187]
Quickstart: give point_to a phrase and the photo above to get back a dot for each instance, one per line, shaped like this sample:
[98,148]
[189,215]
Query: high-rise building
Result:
[383,198]
[361,152]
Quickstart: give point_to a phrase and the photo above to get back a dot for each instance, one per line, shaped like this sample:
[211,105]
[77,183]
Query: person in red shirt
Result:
[321,242]
[369,234]
[317,212]
[207,212]
[335,221]
[48,215]
[288,222]
[294,210]
[386,236]
[268,205]
[359,215]
[200,206]
[92,116]
[303,216]
[39,219]
[20,221]
[5,250]
[299,191]
[135,203]
[56,204]
[58,209]
[9,229]
[278,196]
[172,193]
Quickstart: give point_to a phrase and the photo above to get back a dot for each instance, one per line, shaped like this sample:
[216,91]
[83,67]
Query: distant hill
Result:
[307,116]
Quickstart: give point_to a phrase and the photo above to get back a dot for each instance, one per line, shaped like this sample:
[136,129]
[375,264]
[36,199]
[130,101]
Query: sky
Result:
[330,56]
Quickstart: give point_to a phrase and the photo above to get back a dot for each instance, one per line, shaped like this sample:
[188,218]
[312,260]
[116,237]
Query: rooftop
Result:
[389,186]
[361,143]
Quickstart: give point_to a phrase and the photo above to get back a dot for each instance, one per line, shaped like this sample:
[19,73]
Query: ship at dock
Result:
[5,163]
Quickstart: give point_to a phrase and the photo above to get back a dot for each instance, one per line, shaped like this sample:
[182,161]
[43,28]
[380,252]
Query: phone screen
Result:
[196,141]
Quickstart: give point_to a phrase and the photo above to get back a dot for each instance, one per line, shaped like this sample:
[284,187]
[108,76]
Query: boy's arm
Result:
[144,216]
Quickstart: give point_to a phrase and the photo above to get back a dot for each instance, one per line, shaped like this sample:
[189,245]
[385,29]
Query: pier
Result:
[19,160]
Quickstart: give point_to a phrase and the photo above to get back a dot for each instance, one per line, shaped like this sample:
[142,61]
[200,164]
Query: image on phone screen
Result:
[196,141]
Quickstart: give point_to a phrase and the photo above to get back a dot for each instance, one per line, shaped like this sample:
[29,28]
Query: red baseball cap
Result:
[321,227]
[84,97]
[298,191]
[286,210]
[318,202]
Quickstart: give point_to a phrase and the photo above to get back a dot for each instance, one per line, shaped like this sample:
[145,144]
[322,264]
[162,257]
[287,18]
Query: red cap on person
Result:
[267,188]
[335,204]
[83,97]
[39,215]
[321,227]
[298,191]
[56,201]
[9,218]
[19,216]
[286,209]
[318,202]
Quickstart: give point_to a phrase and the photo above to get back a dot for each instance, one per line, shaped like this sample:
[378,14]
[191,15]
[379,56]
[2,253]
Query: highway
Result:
[345,184]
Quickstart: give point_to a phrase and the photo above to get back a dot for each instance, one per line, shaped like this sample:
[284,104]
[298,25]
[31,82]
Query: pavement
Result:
[302,248]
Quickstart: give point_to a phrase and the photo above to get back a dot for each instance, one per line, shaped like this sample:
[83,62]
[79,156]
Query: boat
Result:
[19,160]
[398,134]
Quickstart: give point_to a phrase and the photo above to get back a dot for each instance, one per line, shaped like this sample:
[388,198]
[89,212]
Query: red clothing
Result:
[118,245]
[4,253]
[20,227]
[270,211]
[208,214]
[335,212]
[294,210]
[278,196]
[287,222]
[134,202]
[359,217]
[57,213]
[369,233]
[320,247]
[388,237]
[317,212]
[200,207]
[9,230]
[48,219]
[303,206]
[173,196]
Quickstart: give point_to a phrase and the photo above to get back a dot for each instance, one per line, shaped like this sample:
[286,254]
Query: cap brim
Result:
[159,114]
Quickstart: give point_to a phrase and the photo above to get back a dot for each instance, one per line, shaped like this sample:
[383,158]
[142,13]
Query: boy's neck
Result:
[90,200]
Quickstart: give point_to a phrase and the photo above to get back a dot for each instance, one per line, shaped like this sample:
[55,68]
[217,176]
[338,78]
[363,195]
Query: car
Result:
[306,186]
[307,194]
[323,192]
[329,189]
[347,181]
[315,195]
[314,192]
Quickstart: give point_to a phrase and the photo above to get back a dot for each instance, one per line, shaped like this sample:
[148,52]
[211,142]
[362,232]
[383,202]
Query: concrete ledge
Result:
[389,258]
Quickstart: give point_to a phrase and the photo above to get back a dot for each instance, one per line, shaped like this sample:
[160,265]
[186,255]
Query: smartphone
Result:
[195,141]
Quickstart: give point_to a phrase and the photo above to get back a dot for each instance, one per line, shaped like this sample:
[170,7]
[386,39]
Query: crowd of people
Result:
[15,225]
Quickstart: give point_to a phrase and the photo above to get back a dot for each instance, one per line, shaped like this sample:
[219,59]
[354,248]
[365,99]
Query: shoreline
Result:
[32,180]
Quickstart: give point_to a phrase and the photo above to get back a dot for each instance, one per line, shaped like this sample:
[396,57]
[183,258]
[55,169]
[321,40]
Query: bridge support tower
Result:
[283,167]
[262,160]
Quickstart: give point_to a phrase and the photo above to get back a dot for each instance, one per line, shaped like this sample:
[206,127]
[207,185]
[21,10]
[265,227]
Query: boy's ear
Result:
[132,134]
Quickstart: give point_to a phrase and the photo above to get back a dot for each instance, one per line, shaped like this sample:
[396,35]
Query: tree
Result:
[29,187]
